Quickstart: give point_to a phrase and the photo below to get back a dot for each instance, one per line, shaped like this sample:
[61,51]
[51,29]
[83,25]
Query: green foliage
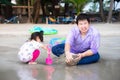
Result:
[79,4]
[94,7]
[66,1]
[20,2]
[32,2]
[7,2]
[24,2]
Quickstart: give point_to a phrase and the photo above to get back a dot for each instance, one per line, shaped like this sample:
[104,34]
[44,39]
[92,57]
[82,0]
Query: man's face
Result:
[83,25]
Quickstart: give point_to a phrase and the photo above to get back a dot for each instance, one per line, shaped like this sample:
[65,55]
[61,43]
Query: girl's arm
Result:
[44,47]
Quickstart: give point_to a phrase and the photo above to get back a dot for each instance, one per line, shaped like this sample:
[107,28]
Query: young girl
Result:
[29,52]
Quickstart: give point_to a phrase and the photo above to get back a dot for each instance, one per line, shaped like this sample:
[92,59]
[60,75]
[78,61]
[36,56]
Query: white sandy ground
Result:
[22,29]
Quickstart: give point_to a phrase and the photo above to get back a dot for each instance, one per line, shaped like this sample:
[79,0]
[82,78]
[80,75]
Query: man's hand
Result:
[73,59]
[77,57]
[69,58]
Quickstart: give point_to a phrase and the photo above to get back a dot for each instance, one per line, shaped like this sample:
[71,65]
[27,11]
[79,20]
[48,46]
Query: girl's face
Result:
[83,25]
[38,39]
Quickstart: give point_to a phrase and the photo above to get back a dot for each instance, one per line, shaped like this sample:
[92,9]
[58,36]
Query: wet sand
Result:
[13,36]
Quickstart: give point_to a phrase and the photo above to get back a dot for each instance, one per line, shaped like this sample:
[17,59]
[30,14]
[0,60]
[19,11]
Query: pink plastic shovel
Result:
[48,59]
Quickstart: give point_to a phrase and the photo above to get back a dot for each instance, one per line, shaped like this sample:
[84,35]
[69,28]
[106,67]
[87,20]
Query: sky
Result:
[87,7]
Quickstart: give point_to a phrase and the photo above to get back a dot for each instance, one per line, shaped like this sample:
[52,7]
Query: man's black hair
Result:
[82,17]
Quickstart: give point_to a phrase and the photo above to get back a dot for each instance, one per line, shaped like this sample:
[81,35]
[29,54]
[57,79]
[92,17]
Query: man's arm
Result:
[93,47]
[67,48]
[86,53]
[67,53]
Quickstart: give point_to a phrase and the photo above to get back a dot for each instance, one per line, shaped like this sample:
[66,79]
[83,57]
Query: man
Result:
[82,43]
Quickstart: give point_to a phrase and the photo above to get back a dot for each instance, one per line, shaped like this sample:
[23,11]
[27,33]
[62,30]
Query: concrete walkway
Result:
[12,36]
[22,29]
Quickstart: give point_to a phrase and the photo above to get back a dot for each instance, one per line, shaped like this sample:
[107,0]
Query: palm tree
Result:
[55,7]
[79,4]
[119,11]
[36,11]
[45,3]
[66,6]
[101,10]
[109,19]
[7,9]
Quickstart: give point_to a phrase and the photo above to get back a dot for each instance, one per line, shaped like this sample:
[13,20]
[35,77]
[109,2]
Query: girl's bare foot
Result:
[32,62]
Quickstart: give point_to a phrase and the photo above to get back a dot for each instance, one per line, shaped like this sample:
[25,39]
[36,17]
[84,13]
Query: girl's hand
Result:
[48,49]
[44,47]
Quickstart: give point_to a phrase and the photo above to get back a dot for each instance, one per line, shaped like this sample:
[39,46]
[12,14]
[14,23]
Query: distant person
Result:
[82,43]
[29,51]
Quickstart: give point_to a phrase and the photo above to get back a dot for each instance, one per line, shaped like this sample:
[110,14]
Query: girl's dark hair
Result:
[37,34]
[82,17]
